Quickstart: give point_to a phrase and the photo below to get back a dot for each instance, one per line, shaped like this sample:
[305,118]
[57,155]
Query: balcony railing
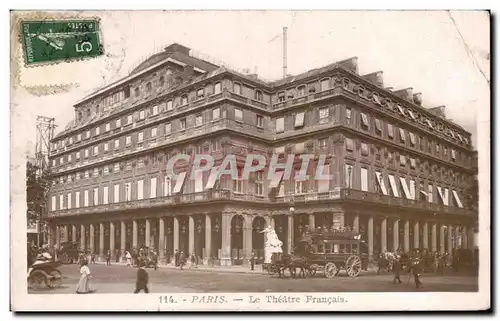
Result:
[224,195]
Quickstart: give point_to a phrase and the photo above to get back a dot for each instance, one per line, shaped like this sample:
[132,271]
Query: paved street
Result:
[121,279]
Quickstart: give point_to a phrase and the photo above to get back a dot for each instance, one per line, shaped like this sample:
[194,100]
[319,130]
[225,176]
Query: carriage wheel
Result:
[37,280]
[330,270]
[55,279]
[353,265]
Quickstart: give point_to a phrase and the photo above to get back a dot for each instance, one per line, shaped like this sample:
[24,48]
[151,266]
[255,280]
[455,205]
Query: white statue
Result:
[272,244]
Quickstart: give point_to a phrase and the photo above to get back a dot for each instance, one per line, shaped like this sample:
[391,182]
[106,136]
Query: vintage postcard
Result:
[250,160]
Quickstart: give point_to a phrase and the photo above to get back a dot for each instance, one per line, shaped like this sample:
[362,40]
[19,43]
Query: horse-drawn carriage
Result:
[327,252]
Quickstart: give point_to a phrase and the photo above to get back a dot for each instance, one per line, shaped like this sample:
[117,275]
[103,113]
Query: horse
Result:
[385,261]
[282,262]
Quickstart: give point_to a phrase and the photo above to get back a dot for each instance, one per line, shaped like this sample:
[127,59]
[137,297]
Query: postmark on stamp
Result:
[48,41]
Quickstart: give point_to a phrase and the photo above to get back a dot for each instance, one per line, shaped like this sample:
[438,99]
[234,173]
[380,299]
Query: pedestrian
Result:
[117,255]
[182,259]
[252,261]
[108,258]
[176,258]
[142,278]
[193,261]
[396,269]
[83,286]
[129,258]
[92,258]
[417,270]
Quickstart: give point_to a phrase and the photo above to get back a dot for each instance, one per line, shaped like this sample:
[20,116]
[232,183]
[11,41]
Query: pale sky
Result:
[421,50]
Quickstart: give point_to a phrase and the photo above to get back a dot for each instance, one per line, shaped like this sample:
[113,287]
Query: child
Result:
[142,278]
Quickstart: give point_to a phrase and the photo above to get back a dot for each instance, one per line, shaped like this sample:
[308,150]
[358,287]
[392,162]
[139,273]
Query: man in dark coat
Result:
[417,270]
[142,278]
[396,269]
[252,261]
[176,257]
[108,258]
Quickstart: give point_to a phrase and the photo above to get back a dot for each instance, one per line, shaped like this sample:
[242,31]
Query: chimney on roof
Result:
[375,78]
[350,64]
[175,47]
[438,111]
[406,94]
[417,99]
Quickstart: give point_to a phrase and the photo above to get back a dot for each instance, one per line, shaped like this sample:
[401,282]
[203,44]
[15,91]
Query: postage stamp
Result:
[278,173]
[60,40]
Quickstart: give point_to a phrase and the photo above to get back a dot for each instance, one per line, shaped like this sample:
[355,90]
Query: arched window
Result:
[301,91]
[184,100]
[217,88]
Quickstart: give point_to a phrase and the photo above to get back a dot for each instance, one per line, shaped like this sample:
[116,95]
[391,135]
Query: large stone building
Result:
[401,172]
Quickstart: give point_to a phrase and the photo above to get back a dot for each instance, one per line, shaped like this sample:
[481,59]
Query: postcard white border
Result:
[21,301]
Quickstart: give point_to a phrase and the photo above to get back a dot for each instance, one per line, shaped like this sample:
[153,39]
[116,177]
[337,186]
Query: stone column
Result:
[416,235]
[383,237]
[442,243]
[434,237]
[82,237]
[465,238]
[406,243]
[207,259]
[226,240]
[52,234]
[273,223]
[101,240]
[58,236]
[73,233]
[123,239]
[370,237]
[161,240]
[395,236]
[290,231]
[176,234]
[312,220]
[450,239]
[247,239]
[425,242]
[134,234]
[91,235]
[66,233]
[191,232]
[147,236]
[355,223]
[458,237]
[112,238]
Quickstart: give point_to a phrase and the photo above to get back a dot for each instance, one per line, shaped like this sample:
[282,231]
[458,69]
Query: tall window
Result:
[118,123]
[238,115]
[260,121]
[237,88]
[129,119]
[155,110]
[140,189]
[299,119]
[140,137]
[116,193]
[117,143]
[167,186]
[348,116]
[364,179]
[258,95]
[198,120]
[183,124]
[97,130]
[325,84]
[154,132]
[184,100]
[280,125]
[259,183]
[142,114]
[95,197]
[324,113]
[301,91]
[105,199]
[152,191]
[215,113]
[128,192]
[217,88]
[168,128]
[169,105]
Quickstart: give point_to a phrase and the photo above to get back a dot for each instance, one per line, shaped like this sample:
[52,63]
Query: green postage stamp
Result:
[50,41]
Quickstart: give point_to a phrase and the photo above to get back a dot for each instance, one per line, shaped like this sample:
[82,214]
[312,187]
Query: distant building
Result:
[400,171]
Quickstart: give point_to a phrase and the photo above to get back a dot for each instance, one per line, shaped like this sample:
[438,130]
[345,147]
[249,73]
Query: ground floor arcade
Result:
[228,236]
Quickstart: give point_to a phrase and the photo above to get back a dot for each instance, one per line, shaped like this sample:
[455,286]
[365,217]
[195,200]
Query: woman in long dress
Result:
[129,258]
[84,284]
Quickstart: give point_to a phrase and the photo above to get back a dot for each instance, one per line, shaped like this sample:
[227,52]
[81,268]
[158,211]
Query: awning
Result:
[412,139]
[394,186]
[402,134]
[381,183]
[198,183]
[406,190]
[364,119]
[443,193]
[276,180]
[179,183]
[401,110]
[212,178]
[457,199]
[299,119]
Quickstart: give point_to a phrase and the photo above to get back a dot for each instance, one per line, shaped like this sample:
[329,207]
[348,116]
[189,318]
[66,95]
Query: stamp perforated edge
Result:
[46,16]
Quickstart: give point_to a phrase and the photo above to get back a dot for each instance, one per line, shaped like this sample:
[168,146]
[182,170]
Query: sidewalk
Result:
[226,269]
